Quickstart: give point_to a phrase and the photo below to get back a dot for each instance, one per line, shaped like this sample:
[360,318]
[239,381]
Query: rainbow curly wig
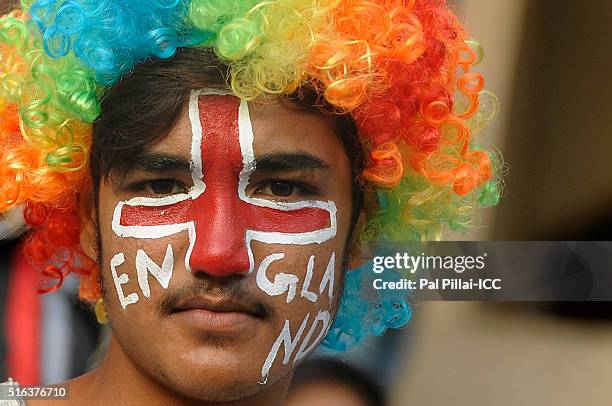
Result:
[401,68]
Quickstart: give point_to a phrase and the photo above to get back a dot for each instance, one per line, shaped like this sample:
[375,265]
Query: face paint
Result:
[287,283]
[328,278]
[144,266]
[132,298]
[308,344]
[283,282]
[163,273]
[221,220]
[291,343]
[305,292]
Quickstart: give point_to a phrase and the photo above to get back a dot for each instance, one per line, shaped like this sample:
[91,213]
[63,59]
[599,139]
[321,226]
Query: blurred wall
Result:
[470,354]
[559,142]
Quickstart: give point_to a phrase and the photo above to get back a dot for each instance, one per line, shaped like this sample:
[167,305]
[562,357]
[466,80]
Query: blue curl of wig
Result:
[359,317]
[111,37]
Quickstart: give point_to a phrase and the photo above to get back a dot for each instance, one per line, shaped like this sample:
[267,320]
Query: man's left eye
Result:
[282,189]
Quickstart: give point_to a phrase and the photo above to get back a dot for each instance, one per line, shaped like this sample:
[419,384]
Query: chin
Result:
[214,374]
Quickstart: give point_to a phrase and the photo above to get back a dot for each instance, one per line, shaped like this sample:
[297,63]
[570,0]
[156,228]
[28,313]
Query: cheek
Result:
[298,279]
[136,270]
[302,284]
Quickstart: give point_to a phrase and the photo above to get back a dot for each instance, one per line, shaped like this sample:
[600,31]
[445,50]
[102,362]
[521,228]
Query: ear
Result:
[88,221]
[355,257]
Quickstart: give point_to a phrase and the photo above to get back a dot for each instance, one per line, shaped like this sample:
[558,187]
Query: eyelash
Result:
[301,189]
[147,184]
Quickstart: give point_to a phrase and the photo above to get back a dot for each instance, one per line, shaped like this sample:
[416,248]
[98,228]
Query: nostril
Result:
[220,262]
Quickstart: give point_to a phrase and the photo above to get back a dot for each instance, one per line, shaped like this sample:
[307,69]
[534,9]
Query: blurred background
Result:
[549,62]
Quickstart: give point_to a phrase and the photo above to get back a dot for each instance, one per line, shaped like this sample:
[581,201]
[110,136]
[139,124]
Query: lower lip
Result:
[217,321]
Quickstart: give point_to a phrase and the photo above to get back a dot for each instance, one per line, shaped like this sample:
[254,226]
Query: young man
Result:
[238,153]
[226,237]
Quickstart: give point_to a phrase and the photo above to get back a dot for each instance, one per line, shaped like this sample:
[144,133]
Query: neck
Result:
[119,381]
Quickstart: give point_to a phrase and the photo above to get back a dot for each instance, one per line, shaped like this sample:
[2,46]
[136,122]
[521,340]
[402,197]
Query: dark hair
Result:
[334,370]
[145,105]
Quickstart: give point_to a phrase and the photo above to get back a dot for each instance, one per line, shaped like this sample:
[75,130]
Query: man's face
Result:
[222,249]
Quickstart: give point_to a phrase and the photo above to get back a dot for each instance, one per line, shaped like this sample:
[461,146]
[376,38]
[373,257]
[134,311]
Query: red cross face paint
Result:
[236,274]
[223,160]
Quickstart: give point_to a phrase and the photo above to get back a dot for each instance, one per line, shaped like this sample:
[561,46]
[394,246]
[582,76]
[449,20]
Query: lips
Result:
[220,314]
[217,305]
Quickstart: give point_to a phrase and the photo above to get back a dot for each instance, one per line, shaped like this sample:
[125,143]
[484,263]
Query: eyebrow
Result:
[153,162]
[289,161]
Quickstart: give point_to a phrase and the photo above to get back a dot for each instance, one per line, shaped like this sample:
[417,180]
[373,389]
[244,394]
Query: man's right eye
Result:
[161,187]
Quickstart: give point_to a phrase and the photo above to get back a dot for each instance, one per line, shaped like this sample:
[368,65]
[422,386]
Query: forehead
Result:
[277,127]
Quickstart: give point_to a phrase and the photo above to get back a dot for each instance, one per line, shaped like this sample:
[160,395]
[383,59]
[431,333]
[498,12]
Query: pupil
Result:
[281,188]
[162,187]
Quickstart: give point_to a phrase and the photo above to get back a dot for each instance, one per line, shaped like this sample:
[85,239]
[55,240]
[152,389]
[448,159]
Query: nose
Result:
[220,248]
